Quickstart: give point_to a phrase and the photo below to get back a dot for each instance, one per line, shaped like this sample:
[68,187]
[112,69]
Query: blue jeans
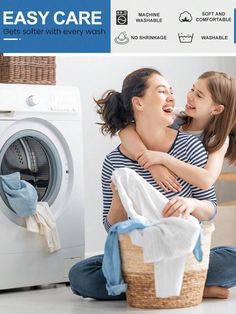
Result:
[87,280]
[222,267]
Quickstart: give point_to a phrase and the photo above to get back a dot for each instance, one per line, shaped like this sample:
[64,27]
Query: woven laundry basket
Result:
[28,70]
[140,276]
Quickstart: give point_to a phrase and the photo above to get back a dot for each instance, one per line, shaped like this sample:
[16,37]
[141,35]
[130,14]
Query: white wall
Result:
[94,75]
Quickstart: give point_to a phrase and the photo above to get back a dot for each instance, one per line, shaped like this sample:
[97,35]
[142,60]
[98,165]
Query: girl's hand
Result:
[179,207]
[165,178]
[149,158]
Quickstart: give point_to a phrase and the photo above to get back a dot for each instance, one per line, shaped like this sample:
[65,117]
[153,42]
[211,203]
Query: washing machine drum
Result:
[28,156]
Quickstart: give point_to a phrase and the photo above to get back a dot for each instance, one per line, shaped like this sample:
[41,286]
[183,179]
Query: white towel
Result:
[139,198]
[167,241]
[44,223]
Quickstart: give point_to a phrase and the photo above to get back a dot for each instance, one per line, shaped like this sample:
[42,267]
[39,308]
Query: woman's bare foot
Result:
[216,292]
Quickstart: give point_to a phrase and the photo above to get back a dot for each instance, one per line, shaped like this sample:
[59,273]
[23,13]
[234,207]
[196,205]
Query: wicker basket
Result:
[140,276]
[28,70]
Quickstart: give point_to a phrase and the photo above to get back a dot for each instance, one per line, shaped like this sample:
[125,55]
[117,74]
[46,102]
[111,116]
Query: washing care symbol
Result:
[121,39]
[185,17]
[122,17]
[185,38]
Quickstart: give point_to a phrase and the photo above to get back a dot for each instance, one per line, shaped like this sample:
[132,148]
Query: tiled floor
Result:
[60,300]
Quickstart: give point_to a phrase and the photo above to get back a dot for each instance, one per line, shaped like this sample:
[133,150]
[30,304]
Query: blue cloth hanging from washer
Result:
[21,195]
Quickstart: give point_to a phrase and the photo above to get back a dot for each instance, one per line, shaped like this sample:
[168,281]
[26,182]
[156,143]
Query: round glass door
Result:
[36,158]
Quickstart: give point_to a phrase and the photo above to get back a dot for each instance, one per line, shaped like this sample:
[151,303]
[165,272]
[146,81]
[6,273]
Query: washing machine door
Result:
[34,155]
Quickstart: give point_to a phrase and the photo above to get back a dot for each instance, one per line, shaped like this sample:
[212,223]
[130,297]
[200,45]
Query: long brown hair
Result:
[222,88]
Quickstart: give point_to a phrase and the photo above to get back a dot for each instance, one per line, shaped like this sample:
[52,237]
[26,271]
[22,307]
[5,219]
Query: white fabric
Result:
[167,241]
[44,223]
[168,275]
[136,193]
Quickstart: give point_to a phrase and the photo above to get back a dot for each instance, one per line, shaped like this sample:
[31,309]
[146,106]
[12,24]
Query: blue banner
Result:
[234,25]
[55,26]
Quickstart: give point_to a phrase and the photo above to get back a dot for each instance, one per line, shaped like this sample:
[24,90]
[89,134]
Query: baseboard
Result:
[90,254]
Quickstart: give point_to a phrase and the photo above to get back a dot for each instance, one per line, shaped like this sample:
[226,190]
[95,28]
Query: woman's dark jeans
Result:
[87,279]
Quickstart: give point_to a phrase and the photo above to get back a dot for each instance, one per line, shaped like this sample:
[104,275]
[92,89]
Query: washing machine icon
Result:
[41,137]
[121,17]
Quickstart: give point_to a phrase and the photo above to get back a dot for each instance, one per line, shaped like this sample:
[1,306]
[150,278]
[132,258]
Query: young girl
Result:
[141,100]
[210,115]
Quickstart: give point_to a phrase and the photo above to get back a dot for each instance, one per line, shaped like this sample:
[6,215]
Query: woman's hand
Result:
[148,158]
[165,178]
[179,207]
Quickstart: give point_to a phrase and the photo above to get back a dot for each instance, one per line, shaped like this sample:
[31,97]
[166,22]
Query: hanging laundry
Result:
[44,223]
[21,195]
[111,265]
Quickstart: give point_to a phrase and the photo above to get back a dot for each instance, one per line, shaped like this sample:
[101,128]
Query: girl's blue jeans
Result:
[87,280]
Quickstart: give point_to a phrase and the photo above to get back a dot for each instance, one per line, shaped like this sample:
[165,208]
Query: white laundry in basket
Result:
[167,241]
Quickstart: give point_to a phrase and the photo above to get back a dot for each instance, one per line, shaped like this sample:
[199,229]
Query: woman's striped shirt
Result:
[186,147]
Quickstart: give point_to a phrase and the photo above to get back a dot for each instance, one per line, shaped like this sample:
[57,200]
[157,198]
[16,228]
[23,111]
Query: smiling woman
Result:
[156,105]
[146,98]
[210,115]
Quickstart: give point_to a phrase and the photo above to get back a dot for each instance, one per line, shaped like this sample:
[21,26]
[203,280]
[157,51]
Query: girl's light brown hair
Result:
[222,88]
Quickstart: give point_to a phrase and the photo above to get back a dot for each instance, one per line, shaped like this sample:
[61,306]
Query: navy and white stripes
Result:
[186,147]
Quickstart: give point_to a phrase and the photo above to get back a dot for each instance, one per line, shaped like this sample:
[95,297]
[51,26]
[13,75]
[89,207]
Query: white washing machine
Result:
[41,137]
